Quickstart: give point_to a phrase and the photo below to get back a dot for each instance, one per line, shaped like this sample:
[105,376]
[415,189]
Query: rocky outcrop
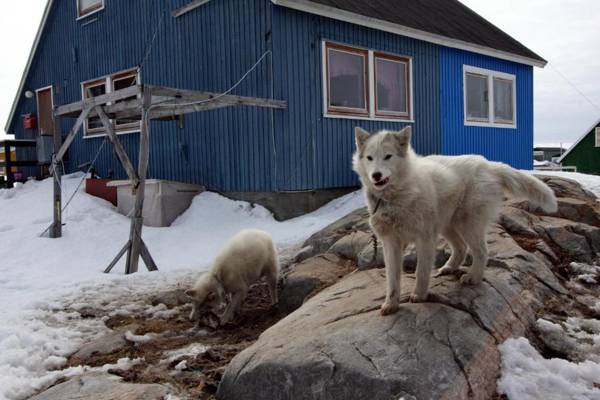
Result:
[338,346]
[99,386]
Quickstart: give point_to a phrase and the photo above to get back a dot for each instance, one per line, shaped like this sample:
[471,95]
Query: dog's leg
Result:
[425,256]
[477,244]
[459,253]
[393,254]
[236,301]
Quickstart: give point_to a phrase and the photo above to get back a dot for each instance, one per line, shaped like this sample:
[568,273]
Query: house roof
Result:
[446,22]
[587,132]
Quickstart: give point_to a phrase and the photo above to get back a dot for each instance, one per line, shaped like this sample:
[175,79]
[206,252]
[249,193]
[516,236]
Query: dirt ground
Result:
[201,374]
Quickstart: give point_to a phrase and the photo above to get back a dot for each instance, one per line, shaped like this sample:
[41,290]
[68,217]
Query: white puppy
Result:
[246,258]
[415,199]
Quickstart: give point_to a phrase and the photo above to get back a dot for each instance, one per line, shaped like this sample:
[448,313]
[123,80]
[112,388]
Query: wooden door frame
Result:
[37,104]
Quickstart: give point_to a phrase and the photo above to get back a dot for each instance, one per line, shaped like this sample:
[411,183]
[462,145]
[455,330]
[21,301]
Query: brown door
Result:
[44,106]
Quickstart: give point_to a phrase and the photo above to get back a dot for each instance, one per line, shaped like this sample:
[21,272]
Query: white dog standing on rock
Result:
[415,199]
[246,258]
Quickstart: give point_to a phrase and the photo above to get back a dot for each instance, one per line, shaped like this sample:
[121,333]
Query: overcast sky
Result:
[564,32]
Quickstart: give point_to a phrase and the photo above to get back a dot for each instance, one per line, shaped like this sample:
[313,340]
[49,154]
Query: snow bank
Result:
[589,182]
[526,375]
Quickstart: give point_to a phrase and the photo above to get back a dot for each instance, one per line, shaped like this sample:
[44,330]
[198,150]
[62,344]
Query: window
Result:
[598,136]
[109,84]
[124,81]
[87,7]
[347,80]
[489,98]
[365,84]
[93,89]
[391,89]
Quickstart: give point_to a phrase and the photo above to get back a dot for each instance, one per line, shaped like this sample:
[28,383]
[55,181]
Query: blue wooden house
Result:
[463,84]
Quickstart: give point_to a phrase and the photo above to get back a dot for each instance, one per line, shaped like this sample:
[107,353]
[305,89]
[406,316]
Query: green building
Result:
[585,153]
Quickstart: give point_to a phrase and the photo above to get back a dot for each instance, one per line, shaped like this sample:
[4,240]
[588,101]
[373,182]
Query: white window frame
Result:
[91,12]
[100,132]
[597,136]
[371,114]
[490,75]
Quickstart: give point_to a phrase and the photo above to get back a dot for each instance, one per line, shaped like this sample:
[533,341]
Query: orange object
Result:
[29,121]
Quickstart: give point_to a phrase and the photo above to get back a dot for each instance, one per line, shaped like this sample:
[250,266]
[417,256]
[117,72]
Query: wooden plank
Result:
[18,163]
[148,260]
[19,142]
[78,124]
[73,109]
[188,7]
[56,229]
[193,95]
[117,257]
[121,154]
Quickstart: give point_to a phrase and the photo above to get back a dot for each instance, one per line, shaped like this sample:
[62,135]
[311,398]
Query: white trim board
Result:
[347,16]
[489,75]
[587,132]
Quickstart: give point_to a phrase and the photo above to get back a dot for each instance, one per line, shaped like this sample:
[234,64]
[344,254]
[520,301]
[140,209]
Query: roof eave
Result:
[36,42]
[587,132]
[358,19]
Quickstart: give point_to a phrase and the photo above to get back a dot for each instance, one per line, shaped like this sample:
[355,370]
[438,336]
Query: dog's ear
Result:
[402,138]
[361,137]
[191,293]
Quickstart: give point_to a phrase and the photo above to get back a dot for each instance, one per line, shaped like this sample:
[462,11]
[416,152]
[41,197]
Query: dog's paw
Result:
[471,279]
[388,308]
[447,270]
[417,298]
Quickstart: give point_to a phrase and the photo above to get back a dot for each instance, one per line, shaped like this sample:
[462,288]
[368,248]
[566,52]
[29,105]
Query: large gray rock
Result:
[107,344]
[338,346]
[310,276]
[99,386]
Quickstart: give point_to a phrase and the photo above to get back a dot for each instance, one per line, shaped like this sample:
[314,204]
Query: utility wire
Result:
[574,87]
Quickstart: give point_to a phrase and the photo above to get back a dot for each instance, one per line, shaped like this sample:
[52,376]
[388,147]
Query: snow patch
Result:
[526,375]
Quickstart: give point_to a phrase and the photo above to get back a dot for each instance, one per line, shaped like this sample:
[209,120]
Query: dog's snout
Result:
[376,176]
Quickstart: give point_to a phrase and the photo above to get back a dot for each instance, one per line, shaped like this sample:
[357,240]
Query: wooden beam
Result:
[188,7]
[192,95]
[73,109]
[118,257]
[121,154]
[71,136]
[56,228]
[137,219]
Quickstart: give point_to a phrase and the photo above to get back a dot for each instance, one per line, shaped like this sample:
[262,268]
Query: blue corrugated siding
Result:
[254,149]
[207,49]
[512,146]
[321,148]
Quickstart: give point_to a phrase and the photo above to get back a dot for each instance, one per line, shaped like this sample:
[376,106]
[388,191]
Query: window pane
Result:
[89,5]
[346,79]
[123,83]
[503,100]
[391,85]
[93,91]
[477,97]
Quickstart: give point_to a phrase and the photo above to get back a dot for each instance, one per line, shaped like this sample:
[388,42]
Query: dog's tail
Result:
[524,186]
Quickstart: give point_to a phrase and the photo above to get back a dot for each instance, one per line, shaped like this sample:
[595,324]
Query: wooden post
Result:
[56,229]
[137,219]
[10,178]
